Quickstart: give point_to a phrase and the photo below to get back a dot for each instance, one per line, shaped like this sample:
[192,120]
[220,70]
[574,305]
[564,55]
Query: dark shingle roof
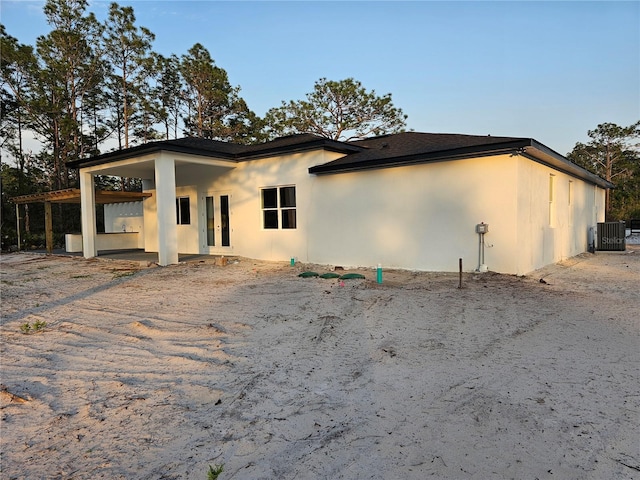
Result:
[378,152]
[412,147]
[298,142]
[227,150]
[188,145]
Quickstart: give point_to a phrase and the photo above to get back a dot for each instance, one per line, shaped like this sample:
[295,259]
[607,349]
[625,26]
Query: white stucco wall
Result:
[419,217]
[125,217]
[150,213]
[244,184]
[549,233]
[104,241]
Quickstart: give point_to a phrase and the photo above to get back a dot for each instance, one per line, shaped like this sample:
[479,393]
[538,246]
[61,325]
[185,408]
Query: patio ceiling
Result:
[144,166]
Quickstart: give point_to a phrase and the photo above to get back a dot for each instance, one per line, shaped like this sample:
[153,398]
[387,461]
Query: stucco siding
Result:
[150,217]
[123,217]
[555,213]
[243,185]
[420,217]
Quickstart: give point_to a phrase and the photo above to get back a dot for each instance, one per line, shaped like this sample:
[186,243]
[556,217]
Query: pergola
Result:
[69,195]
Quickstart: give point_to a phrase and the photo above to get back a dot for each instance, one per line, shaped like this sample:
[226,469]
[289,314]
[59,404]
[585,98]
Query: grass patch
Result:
[117,274]
[37,326]
[214,472]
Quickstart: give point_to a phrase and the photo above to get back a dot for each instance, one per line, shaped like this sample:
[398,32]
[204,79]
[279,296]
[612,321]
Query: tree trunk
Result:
[608,175]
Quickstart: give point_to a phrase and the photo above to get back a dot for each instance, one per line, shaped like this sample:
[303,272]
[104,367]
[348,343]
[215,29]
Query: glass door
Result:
[216,225]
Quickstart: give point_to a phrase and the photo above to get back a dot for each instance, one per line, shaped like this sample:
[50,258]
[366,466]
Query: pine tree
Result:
[127,47]
[613,154]
[215,109]
[170,92]
[69,67]
[342,110]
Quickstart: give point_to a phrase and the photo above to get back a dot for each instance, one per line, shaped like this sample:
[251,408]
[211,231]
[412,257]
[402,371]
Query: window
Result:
[570,192]
[183,214]
[552,210]
[570,201]
[279,208]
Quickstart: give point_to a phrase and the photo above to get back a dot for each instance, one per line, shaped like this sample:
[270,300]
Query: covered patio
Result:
[163,167]
[133,255]
[69,195]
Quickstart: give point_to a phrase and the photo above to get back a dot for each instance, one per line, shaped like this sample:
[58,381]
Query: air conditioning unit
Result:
[611,236]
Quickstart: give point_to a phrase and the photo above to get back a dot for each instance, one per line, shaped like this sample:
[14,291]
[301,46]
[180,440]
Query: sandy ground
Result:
[157,373]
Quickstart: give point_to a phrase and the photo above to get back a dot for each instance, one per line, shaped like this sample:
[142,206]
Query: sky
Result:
[548,70]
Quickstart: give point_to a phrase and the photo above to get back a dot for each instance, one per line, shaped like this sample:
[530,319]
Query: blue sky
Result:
[545,69]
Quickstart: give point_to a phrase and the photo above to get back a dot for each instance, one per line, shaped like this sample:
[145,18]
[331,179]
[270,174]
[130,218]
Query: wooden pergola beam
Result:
[72,195]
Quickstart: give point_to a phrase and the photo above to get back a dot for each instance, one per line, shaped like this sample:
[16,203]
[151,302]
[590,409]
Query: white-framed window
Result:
[279,207]
[183,212]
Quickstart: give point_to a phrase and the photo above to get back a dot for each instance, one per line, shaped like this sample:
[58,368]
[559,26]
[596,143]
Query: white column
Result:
[88,214]
[166,208]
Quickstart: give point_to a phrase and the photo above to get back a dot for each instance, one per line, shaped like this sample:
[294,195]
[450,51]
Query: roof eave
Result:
[154,147]
[142,150]
[540,153]
[546,156]
[321,144]
[441,155]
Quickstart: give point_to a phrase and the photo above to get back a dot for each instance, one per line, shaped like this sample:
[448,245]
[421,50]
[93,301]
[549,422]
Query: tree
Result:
[612,154]
[16,63]
[341,110]
[215,109]
[170,92]
[44,90]
[69,67]
[95,119]
[149,112]
[127,47]
[14,181]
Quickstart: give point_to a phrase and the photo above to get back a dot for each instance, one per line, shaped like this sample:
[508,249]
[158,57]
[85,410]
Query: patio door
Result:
[216,222]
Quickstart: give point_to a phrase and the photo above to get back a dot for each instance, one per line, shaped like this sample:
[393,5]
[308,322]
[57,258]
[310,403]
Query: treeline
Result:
[87,82]
[90,86]
[612,153]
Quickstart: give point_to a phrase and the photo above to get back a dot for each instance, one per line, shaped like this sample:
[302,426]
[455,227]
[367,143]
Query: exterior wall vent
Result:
[611,236]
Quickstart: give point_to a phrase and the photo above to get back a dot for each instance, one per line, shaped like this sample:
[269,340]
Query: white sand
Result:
[157,373]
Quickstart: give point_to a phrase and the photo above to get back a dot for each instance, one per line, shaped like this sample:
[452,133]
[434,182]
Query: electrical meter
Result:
[482,228]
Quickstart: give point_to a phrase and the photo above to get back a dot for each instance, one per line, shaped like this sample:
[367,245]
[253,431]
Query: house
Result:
[408,200]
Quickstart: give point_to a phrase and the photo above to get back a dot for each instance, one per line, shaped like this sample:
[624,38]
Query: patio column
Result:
[18,226]
[88,214]
[165,171]
[48,227]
